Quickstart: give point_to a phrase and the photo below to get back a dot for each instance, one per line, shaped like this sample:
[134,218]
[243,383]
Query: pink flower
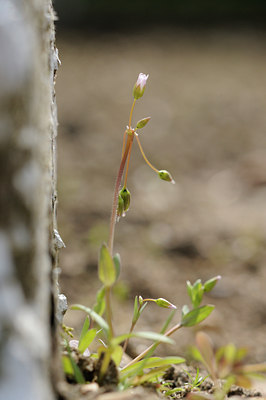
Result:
[140,85]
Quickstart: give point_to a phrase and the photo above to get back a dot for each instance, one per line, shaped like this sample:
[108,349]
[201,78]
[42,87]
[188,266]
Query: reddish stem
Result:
[116,192]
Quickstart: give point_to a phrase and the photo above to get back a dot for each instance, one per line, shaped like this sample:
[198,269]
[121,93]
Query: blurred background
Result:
[206,97]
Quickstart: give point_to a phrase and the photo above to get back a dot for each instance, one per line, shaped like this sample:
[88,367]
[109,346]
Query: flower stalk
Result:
[120,204]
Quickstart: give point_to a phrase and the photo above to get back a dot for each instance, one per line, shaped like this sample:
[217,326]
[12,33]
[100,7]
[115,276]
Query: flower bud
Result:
[120,207]
[140,300]
[142,122]
[164,303]
[125,195]
[165,176]
[140,85]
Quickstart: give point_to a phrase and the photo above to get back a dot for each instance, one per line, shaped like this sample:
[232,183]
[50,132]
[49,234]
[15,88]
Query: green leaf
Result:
[230,353]
[106,267]
[86,340]
[197,315]
[136,310]
[175,390]
[94,316]
[251,368]
[241,353]
[85,328]
[152,362]
[185,310]
[99,307]
[117,354]
[195,353]
[142,308]
[197,293]
[209,285]
[117,264]
[190,290]
[151,376]
[205,346]
[154,336]
[144,335]
[76,370]
[67,366]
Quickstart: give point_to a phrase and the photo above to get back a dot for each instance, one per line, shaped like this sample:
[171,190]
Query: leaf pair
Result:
[87,336]
[197,290]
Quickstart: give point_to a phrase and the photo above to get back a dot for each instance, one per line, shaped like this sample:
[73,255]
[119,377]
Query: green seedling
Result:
[98,323]
[225,364]
[193,384]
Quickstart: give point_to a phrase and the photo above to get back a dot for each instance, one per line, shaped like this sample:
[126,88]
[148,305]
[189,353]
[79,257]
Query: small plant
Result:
[143,368]
[193,384]
[225,365]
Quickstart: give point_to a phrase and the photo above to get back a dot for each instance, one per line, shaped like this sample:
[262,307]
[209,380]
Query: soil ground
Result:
[206,97]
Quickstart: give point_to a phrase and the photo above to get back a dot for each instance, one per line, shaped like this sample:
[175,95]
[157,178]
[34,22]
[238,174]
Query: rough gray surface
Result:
[27,129]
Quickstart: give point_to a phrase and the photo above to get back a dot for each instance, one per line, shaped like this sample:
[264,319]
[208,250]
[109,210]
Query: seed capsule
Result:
[165,176]
[125,195]
[143,122]
[165,303]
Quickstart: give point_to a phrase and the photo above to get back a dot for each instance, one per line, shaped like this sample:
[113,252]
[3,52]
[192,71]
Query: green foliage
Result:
[193,384]
[196,316]
[94,316]
[70,367]
[107,270]
[99,307]
[152,362]
[197,290]
[139,307]
[86,340]
[209,285]
[144,335]
[226,363]
[117,264]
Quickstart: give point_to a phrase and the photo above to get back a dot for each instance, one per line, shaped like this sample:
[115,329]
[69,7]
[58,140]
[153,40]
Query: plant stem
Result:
[124,143]
[112,230]
[125,152]
[115,198]
[144,156]
[119,178]
[131,113]
[153,346]
[128,159]
[109,310]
